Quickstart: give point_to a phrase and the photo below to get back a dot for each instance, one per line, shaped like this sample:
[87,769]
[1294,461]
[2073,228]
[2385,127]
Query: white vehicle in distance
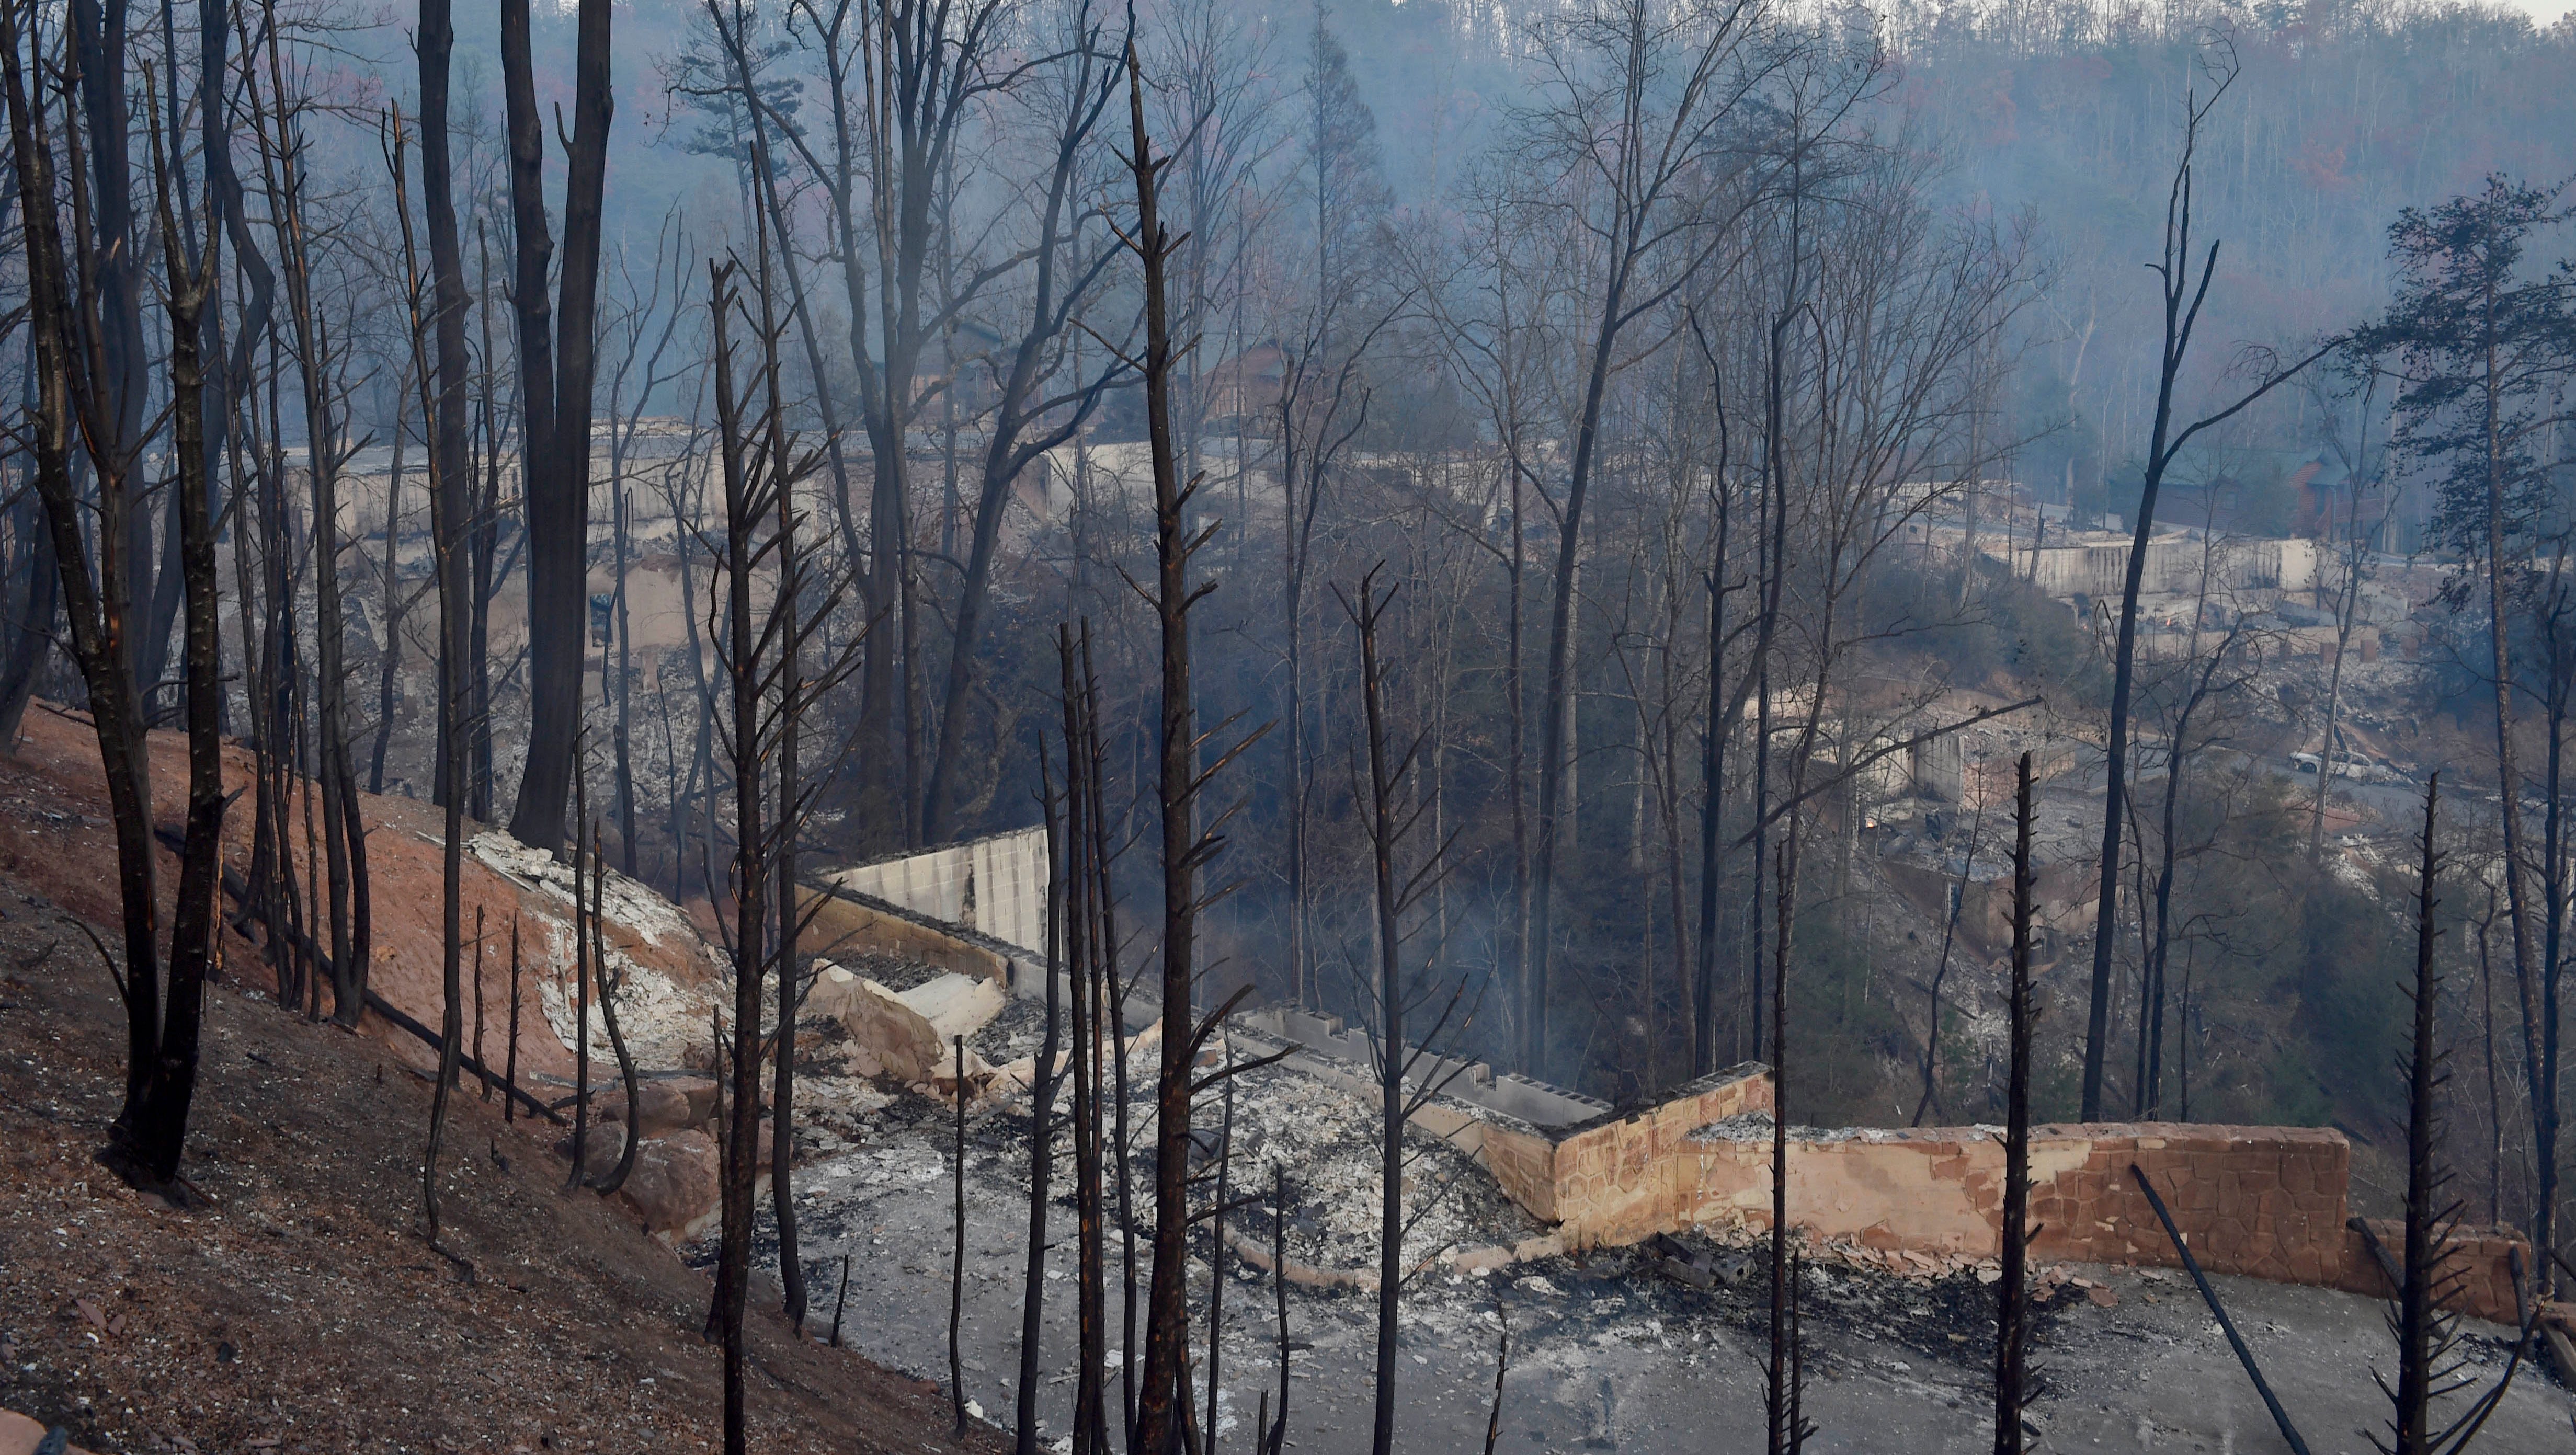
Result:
[2346,765]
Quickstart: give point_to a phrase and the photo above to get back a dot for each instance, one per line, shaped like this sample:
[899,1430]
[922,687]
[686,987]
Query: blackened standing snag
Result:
[2012,1296]
[957,1254]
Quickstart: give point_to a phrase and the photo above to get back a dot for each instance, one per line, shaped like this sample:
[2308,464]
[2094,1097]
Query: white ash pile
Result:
[1327,1139]
[665,974]
[1756,1126]
[896,1022]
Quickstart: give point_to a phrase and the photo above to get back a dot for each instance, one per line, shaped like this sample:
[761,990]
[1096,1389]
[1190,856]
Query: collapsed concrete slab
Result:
[954,1004]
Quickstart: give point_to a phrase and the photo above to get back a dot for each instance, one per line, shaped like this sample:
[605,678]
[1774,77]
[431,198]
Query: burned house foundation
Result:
[2258,1201]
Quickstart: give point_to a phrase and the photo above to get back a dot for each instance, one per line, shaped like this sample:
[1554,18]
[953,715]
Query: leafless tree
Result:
[1187,845]
[67,320]
[2428,1279]
[2183,296]
[610,985]
[746,501]
[1047,1079]
[1641,103]
[319,345]
[1399,888]
[2012,1289]
[558,363]
[446,530]
[1026,419]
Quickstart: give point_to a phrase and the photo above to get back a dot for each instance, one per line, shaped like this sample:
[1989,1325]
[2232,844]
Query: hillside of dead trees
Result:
[292,1306]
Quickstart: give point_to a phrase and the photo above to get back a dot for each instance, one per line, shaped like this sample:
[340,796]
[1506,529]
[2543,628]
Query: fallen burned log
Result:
[2218,1311]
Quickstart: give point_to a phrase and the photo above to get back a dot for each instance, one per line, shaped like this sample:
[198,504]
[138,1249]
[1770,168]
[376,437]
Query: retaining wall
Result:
[995,885]
[847,921]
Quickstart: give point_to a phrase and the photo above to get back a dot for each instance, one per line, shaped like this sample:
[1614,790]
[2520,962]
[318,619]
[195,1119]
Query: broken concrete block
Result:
[954,1004]
[888,1036]
[1683,1272]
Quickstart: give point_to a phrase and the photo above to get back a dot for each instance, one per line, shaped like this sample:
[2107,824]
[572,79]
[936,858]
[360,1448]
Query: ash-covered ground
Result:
[1608,1350]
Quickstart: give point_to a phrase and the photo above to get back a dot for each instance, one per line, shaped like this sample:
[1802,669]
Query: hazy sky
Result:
[2542,11]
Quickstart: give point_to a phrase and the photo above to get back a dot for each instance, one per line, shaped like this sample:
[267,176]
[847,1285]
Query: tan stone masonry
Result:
[2265,1202]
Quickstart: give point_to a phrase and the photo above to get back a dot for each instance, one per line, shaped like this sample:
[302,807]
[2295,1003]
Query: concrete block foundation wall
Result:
[995,885]
[848,921]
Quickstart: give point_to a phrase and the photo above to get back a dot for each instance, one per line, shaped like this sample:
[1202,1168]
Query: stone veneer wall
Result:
[2267,1202]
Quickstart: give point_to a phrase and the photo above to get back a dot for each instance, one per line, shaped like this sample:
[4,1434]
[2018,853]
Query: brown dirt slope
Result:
[297,1306]
[55,833]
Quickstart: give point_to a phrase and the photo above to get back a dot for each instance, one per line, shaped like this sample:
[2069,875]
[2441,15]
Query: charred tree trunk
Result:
[1092,1042]
[447,521]
[743,502]
[510,1058]
[144,1140]
[33,614]
[332,786]
[389,660]
[2012,1292]
[1713,736]
[193,924]
[1386,824]
[1159,1414]
[113,280]
[583,971]
[2418,1309]
[483,539]
[957,1253]
[1044,1085]
[623,744]
[557,361]
[451,463]
[609,986]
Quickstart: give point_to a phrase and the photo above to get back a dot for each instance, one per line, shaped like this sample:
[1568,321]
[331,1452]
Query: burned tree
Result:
[759,656]
[558,361]
[2416,1318]
[1186,845]
[1046,1081]
[957,1253]
[445,420]
[1390,824]
[66,321]
[448,523]
[2182,295]
[1089,937]
[319,351]
[2429,1277]
[2012,1289]
[746,486]
[609,986]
